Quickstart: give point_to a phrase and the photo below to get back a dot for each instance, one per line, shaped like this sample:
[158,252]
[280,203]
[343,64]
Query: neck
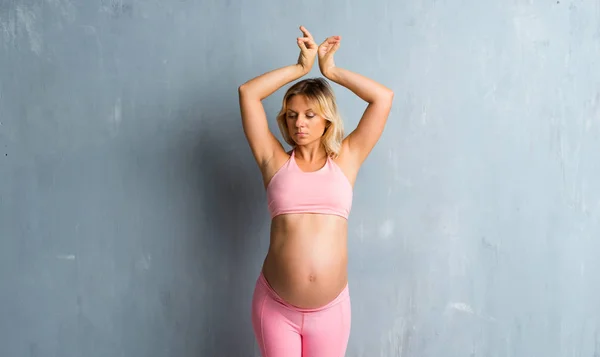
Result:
[310,153]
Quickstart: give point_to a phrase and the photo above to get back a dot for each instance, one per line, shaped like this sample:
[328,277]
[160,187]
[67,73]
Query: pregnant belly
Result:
[307,267]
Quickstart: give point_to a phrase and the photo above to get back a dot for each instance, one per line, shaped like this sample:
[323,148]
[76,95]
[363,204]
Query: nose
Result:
[300,122]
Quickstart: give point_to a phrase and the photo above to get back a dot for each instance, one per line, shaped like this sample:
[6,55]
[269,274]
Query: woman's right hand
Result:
[326,51]
[308,50]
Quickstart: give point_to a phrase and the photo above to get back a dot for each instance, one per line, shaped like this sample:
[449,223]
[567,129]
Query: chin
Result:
[302,140]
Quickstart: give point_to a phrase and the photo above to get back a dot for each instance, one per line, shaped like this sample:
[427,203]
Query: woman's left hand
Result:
[325,52]
[308,50]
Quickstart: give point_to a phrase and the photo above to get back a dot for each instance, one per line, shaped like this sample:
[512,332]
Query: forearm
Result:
[267,83]
[365,88]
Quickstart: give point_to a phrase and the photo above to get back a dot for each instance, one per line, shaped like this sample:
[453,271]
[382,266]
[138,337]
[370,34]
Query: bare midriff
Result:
[307,259]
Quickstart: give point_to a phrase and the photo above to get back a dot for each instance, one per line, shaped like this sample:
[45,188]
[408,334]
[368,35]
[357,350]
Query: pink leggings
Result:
[283,330]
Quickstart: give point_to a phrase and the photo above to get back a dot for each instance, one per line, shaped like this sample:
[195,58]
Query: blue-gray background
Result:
[133,221]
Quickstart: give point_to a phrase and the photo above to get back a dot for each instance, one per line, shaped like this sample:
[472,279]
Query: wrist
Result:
[301,70]
[331,74]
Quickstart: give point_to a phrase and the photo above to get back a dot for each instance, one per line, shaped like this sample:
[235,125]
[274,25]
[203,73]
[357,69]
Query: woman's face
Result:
[304,124]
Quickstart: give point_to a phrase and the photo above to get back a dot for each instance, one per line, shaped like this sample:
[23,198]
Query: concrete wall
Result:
[133,221]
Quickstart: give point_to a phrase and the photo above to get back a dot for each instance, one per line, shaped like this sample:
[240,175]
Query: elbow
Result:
[241,89]
[389,97]
[246,92]
[249,92]
[386,96]
[384,99]
[390,94]
[243,92]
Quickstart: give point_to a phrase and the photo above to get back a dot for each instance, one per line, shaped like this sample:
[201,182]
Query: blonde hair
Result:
[318,91]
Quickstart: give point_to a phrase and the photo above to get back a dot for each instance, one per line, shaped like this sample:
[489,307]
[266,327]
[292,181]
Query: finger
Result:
[305,32]
[330,40]
[309,43]
[334,45]
[301,44]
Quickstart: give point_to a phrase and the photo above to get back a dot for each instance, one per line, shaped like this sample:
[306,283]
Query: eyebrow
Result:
[308,110]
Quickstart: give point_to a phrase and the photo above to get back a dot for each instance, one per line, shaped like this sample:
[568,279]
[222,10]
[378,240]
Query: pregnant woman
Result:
[301,302]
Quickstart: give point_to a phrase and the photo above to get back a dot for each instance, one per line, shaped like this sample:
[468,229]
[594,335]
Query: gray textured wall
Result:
[132,217]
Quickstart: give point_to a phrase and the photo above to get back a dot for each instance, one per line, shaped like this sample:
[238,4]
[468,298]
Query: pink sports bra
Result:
[325,191]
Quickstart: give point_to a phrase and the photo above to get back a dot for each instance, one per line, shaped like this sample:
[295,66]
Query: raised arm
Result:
[254,120]
[361,141]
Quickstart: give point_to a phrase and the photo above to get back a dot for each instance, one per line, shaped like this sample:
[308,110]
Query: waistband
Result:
[343,295]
